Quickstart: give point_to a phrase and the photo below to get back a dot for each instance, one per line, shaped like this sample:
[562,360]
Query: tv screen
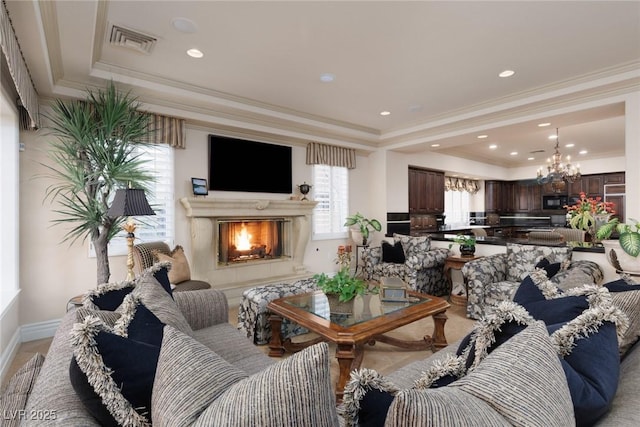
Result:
[242,165]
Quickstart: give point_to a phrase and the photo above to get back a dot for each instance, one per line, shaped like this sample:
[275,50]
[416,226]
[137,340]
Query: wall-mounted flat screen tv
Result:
[251,166]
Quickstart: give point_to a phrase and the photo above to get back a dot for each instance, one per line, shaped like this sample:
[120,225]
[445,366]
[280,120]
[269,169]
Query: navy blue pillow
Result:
[133,365]
[162,276]
[592,369]
[557,310]
[621,285]
[393,254]
[110,300]
[373,408]
[145,327]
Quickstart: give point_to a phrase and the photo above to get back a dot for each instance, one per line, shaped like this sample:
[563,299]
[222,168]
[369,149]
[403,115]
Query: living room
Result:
[48,272]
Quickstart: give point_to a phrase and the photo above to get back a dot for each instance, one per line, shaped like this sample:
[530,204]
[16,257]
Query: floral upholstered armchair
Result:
[411,259]
[496,278]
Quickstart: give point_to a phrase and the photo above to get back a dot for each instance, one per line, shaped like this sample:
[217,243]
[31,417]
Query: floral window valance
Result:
[459,184]
[323,154]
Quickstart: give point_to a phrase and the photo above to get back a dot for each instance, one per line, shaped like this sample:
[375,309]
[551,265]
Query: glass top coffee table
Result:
[365,322]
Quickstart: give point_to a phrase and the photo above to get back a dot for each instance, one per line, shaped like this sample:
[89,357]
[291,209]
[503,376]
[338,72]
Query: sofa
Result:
[495,278]
[215,362]
[411,259]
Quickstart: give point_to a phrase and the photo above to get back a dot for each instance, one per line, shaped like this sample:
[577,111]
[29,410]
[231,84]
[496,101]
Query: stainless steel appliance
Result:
[398,222]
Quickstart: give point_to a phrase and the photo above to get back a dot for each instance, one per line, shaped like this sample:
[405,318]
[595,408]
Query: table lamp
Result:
[130,202]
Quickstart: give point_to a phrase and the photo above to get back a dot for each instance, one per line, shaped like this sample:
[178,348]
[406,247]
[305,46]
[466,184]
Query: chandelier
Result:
[558,173]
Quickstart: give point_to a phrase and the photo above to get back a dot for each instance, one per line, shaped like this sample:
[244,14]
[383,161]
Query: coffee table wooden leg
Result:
[439,340]
[349,357]
[276,348]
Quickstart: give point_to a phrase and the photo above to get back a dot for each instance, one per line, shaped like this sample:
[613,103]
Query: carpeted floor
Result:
[382,357]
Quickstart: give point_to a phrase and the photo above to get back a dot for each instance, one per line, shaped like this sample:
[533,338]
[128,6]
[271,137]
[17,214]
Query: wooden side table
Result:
[456,263]
[75,302]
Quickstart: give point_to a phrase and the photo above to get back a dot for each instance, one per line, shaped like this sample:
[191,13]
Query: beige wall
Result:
[52,272]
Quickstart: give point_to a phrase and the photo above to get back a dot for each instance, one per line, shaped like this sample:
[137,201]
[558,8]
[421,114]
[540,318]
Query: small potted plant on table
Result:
[341,289]
[467,244]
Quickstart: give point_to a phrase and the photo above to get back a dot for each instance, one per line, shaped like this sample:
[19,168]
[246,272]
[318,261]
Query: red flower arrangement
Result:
[583,212]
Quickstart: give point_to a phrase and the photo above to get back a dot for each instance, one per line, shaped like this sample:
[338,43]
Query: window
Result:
[456,207]
[331,191]
[159,160]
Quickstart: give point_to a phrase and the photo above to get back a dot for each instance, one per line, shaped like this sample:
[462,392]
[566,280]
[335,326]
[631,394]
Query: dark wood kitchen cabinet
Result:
[426,191]
[592,185]
[527,196]
[499,196]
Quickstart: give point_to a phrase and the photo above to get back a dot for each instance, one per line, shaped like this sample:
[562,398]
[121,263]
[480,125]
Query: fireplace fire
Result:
[242,240]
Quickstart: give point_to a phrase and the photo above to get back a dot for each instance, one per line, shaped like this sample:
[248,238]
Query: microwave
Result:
[554,202]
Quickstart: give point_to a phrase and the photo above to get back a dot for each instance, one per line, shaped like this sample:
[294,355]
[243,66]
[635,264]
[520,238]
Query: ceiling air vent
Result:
[124,37]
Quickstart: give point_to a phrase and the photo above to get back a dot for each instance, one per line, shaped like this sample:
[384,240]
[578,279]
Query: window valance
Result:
[332,155]
[18,70]
[167,130]
[459,184]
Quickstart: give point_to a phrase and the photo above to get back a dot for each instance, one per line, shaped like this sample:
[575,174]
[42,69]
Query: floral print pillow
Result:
[413,245]
[522,259]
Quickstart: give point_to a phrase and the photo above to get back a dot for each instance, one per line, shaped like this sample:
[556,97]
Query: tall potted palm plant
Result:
[91,157]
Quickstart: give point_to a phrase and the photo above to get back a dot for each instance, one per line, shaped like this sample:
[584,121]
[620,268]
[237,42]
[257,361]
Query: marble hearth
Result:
[206,214]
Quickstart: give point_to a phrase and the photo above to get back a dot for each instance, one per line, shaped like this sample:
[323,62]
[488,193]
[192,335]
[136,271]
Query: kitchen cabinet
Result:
[613,178]
[499,196]
[592,185]
[527,196]
[426,191]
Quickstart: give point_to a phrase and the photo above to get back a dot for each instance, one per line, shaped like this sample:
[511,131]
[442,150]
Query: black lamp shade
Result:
[130,202]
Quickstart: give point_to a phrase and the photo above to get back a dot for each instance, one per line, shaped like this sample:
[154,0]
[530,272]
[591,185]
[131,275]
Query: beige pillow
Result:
[179,271]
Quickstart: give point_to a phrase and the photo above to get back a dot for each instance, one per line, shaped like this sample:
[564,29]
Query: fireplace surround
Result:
[278,257]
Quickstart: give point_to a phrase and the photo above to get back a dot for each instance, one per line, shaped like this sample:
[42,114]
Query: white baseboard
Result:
[9,353]
[38,331]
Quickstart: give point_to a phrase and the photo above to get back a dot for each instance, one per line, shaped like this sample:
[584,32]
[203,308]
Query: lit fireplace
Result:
[242,240]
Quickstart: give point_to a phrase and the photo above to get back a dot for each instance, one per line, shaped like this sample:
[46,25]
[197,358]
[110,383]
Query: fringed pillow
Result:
[109,296]
[511,383]
[585,327]
[368,395]
[112,375]
[625,295]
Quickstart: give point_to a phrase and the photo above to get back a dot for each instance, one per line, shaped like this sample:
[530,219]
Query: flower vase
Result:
[600,220]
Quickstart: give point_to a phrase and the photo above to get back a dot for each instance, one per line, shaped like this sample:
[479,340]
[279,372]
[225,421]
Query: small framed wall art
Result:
[199,186]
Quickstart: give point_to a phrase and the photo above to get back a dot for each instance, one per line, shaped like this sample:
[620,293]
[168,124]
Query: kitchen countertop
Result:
[495,240]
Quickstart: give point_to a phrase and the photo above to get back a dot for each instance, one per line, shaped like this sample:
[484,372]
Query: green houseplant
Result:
[363,225]
[92,156]
[629,240]
[467,244]
[342,284]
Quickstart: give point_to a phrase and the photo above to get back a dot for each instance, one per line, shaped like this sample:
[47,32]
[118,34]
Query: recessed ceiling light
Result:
[570,145]
[482,136]
[385,113]
[327,77]
[493,146]
[541,125]
[531,158]
[195,53]
[553,136]
[435,145]
[583,152]
[513,153]
[184,25]
[506,73]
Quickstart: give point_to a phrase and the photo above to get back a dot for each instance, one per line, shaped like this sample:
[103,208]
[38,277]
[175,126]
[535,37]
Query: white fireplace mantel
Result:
[220,208]
[205,212]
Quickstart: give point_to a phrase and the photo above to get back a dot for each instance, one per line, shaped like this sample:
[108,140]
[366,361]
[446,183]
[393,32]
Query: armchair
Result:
[422,269]
[495,278]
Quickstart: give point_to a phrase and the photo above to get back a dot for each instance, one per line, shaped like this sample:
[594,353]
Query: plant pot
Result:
[358,238]
[339,307]
[619,259]
[467,250]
